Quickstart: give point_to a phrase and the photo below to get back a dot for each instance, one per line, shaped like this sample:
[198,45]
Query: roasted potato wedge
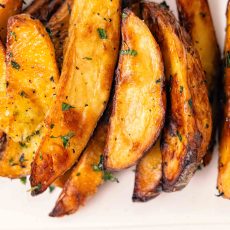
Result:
[26,98]
[139,102]
[148,175]
[196,17]
[188,126]
[58,25]
[8,8]
[85,177]
[84,89]
[43,9]
[223,183]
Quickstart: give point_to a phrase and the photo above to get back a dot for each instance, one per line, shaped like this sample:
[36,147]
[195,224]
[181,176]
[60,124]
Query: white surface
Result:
[196,207]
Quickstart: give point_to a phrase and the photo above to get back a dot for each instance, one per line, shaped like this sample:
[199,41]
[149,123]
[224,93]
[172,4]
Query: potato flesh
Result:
[186,134]
[148,175]
[8,8]
[138,106]
[196,17]
[25,111]
[85,84]
[83,180]
[223,182]
[31,78]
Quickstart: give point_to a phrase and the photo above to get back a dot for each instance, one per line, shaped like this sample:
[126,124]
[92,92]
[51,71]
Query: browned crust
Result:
[187,13]
[43,9]
[152,139]
[157,16]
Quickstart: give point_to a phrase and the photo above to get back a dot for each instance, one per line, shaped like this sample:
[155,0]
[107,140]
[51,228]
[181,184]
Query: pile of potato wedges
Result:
[90,87]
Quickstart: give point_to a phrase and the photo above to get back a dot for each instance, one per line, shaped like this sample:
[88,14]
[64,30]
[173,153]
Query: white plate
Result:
[196,207]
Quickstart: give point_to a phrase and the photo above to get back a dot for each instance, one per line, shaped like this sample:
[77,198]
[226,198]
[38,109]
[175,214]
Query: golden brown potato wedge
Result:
[148,175]
[84,88]
[85,177]
[43,9]
[26,98]
[189,123]
[8,8]
[196,17]
[58,26]
[139,103]
[223,184]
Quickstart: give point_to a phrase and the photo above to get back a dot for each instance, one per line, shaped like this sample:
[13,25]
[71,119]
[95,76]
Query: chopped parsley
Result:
[164,5]
[23,94]
[49,31]
[129,52]
[227,59]
[181,89]
[190,103]
[66,106]
[23,180]
[66,138]
[78,174]
[158,80]
[179,135]
[102,33]
[106,176]
[52,126]
[51,188]
[88,58]
[13,34]
[15,65]
[124,15]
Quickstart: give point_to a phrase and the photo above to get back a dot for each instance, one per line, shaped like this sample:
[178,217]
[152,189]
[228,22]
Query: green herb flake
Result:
[88,58]
[52,78]
[227,59]
[51,188]
[158,81]
[78,174]
[13,34]
[23,94]
[66,106]
[124,15]
[98,167]
[181,89]
[22,144]
[190,103]
[66,138]
[129,52]
[102,33]
[179,135]
[40,156]
[15,65]
[106,176]
[23,180]
[52,126]
[164,5]
[49,31]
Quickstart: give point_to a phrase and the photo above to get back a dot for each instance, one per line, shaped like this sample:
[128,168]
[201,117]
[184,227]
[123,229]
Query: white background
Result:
[196,207]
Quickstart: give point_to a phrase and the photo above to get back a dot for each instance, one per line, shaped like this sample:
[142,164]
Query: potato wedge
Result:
[8,8]
[188,128]
[58,25]
[223,183]
[43,9]
[196,17]
[85,177]
[139,104]
[84,89]
[31,79]
[148,175]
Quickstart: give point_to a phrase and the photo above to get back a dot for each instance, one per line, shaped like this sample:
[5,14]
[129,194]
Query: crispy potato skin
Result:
[196,17]
[26,111]
[148,175]
[83,181]
[186,135]
[43,9]
[8,8]
[139,103]
[58,25]
[85,85]
[223,182]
